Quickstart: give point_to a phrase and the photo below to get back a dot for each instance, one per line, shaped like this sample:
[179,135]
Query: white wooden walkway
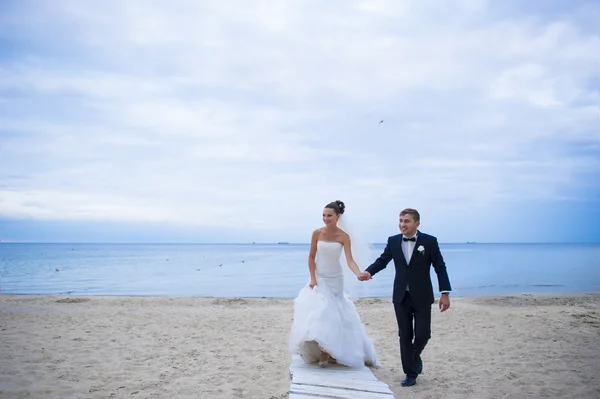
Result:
[335,381]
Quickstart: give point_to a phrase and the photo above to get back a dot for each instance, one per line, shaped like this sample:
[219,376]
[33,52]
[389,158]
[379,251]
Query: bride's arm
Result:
[348,252]
[312,266]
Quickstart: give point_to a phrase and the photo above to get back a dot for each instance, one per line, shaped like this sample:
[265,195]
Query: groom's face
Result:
[408,226]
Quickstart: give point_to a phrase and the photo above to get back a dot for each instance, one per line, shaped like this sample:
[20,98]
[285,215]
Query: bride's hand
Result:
[364,276]
[312,284]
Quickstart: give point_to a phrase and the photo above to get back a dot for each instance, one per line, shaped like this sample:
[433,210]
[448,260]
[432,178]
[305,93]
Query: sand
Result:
[131,347]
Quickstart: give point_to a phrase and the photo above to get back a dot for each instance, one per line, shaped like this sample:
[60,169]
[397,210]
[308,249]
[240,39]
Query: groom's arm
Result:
[437,260]
[381,262]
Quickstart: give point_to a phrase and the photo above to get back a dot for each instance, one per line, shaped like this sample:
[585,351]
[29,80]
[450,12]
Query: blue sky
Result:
[232,121]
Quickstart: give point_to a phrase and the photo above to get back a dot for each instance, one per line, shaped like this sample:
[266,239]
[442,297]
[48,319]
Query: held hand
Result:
[312,283]
[364,276]
[444,302]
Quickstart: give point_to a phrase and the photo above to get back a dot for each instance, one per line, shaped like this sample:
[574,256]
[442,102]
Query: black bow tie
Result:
[409,239]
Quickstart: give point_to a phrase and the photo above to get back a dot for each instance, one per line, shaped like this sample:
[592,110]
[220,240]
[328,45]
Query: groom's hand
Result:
[444,302]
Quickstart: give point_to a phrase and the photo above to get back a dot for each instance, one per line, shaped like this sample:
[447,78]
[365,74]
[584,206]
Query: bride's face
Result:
[330,217]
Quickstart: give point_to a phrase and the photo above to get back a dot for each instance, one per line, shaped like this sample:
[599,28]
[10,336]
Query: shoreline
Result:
[523,345]
[436,295]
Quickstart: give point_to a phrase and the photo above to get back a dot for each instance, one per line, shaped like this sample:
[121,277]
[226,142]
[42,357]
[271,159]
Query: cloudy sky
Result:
[237,121]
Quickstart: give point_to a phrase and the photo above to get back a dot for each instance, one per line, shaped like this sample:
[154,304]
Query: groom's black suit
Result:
[417,300]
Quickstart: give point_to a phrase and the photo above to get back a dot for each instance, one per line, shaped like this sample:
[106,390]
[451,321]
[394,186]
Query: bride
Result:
[326,326]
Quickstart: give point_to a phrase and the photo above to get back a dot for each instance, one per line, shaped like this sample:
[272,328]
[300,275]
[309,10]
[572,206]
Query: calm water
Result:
[260,270]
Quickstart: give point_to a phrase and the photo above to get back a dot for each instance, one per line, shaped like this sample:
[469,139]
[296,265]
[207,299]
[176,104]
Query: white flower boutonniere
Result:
[421,249]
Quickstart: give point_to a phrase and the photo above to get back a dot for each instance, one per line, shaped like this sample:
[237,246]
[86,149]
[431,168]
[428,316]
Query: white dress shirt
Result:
[408,248]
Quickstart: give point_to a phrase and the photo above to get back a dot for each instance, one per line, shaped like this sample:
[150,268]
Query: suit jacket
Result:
[417,273]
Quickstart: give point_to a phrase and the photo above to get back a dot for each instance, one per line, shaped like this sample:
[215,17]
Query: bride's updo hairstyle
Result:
[337,206]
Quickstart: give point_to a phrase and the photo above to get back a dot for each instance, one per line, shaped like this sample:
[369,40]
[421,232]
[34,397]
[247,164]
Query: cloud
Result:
[226,114]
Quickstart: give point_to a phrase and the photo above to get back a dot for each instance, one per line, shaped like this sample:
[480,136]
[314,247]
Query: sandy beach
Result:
[538,346]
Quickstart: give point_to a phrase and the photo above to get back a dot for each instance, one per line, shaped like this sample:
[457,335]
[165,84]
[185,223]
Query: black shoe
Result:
[409,382]
[419,365]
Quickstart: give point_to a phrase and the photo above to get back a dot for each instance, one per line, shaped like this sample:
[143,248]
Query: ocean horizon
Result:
[2,241]
[278,270]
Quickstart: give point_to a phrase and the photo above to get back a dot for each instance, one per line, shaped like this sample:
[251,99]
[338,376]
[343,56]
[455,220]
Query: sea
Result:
[278,270]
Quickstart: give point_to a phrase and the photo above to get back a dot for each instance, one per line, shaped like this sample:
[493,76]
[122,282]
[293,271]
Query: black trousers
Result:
[414,330]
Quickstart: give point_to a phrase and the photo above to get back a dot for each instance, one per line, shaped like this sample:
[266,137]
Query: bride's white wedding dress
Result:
[325,317]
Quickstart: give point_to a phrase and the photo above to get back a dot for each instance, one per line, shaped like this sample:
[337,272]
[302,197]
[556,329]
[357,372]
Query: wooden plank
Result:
[338,393]
[303,377]
[334,381]
[371,386]
[355,389]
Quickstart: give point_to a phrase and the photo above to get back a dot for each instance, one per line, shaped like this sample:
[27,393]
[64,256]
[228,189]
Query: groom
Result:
[413,253]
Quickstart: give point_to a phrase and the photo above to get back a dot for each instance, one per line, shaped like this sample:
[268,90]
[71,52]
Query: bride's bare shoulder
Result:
[343,235]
